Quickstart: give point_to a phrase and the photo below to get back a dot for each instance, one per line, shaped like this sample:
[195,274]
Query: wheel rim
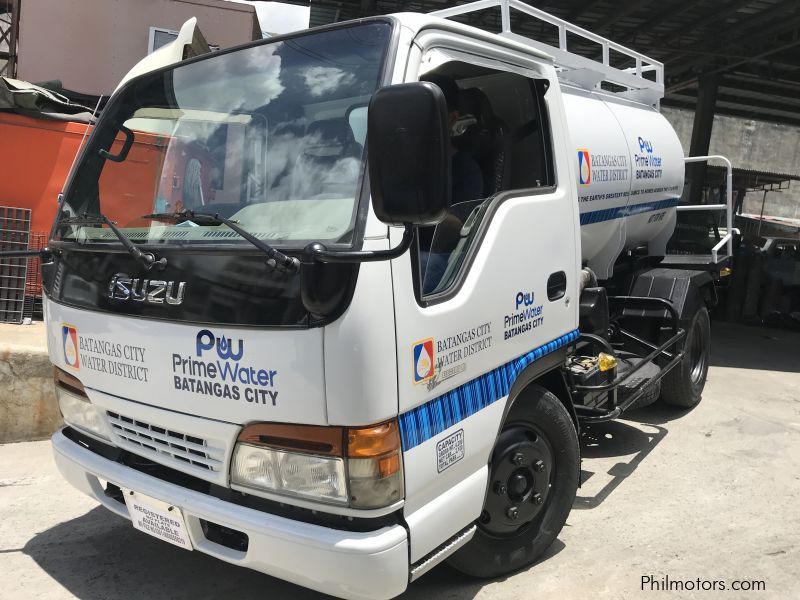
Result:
[697,355]
[521,475]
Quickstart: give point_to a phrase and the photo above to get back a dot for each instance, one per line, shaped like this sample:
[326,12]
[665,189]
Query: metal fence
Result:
[15,226]
[33,282]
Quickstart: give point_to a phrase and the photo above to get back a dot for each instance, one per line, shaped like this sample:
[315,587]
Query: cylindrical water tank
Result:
[630,172]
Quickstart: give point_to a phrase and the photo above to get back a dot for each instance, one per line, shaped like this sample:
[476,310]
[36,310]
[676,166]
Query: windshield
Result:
[270,136]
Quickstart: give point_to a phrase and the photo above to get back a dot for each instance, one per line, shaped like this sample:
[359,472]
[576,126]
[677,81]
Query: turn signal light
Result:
[372,442]
[63,379]
[374,465]
[389,465]
[311,439]
[369,456]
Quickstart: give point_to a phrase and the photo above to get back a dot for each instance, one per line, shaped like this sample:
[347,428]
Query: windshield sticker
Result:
[215,370]
[527,315]
[102,356]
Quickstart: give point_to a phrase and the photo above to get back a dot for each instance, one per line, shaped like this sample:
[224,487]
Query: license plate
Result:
[157,518]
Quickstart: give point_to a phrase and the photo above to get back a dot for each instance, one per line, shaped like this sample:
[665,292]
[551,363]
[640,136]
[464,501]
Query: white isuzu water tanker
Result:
[335,305]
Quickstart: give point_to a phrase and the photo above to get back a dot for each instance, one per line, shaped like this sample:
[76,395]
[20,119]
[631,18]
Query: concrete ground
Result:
[710,494]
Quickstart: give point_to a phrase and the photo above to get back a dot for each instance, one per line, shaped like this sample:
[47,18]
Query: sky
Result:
[277,17]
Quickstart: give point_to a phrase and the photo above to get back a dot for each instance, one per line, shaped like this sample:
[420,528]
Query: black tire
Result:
[534,468]
[683,386]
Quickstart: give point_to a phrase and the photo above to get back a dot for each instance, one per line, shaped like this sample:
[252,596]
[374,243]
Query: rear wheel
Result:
[533,477]
[683,386]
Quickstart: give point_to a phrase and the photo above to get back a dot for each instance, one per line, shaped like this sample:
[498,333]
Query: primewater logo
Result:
[423,364]
[69,338]
[207,341]
[584,167]
[217,369]
[523,299]
[645,145]
[527,315]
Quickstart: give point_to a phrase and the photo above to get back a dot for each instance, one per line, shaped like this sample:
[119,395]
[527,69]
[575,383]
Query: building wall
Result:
[89,45]
[751,145]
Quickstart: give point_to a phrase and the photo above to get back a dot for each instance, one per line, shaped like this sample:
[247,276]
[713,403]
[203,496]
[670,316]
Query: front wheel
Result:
[683,385]
[533,477]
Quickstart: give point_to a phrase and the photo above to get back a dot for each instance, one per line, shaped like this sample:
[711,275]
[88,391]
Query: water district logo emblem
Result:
[584,167]
[423,365]
[69,338]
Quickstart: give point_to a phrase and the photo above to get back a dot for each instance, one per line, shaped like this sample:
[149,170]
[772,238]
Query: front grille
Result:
[167,445]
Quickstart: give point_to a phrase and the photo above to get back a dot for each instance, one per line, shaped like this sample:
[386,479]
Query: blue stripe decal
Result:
[427,420]
[619,212]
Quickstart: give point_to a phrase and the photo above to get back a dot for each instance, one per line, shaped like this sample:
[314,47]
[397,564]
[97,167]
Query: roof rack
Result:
[574,68]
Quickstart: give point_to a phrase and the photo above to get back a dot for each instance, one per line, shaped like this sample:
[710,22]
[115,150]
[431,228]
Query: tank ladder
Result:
[716,260]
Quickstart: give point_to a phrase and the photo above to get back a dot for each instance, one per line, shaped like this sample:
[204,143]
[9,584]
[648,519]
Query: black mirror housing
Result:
[408,142]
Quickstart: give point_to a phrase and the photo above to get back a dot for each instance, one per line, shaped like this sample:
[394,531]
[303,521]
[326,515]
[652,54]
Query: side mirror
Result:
[408,142]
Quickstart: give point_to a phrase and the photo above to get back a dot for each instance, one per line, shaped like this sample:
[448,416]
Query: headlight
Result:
[302,475]
[77,409]
[358,467]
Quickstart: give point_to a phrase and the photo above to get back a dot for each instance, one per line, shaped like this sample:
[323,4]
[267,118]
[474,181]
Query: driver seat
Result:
[487,141]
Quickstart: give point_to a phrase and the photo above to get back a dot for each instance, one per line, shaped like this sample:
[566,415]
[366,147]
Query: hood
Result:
[231,374]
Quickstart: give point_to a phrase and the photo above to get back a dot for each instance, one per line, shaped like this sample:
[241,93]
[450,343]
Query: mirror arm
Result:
[317,252]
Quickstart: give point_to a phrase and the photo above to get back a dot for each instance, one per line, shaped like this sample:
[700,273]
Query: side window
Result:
[500,141]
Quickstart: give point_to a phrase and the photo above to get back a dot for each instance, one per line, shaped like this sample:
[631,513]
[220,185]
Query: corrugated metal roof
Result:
[753,46]
[749,179]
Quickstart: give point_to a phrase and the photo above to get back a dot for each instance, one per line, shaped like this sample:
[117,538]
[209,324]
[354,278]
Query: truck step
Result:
[703,262]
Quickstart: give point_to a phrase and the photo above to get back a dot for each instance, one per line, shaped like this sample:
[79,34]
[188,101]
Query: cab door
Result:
[490,290]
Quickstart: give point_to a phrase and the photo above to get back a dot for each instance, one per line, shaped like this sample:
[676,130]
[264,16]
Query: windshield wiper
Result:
[275,258]
[148,259]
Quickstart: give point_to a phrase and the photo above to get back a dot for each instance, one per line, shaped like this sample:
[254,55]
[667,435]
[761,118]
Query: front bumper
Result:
[372,565]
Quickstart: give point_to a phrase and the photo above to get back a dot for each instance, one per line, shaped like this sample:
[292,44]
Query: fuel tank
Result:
[630,173]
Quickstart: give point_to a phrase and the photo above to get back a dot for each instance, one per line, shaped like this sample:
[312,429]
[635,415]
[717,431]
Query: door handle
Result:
[556,285]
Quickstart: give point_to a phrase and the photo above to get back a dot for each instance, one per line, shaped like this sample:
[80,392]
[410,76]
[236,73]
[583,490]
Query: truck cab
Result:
[286,332]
